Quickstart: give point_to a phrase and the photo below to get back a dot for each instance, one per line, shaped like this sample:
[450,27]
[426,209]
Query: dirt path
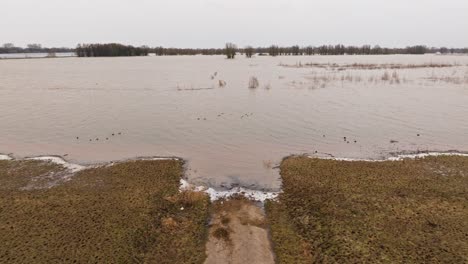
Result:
[238,234]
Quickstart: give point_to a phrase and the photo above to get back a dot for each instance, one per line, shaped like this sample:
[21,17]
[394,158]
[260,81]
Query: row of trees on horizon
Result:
[31,48]
[230,50]
[109,50]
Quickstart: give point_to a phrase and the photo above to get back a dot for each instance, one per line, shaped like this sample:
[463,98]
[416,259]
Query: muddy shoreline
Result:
[255,193]
[250,226]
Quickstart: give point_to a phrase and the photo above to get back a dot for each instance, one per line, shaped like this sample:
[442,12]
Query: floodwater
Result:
[173,106]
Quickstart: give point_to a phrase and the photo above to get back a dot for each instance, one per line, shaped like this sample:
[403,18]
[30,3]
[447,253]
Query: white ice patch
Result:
[57,160]
[5,157]
[428,154]
[160,158]
[398,157]
[219,194]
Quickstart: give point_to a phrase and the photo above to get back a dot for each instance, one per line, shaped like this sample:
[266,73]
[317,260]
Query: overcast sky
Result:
[211,23]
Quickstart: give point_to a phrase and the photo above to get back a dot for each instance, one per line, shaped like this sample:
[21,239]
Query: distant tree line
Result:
[275,50]
[161,51]
[31,48]
[230,50]
[352,50]
[109,50]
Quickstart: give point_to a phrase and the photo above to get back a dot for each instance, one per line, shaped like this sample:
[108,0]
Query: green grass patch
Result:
[410,211]
[131,212]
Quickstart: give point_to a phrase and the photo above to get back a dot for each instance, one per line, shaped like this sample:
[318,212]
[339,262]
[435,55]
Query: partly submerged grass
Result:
[131,212]
[19,174]
[368,66]
[411,211]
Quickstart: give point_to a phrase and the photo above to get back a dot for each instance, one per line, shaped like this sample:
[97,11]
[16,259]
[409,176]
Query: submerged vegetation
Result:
[368,66]
[130,212]
[409,211]
[249,51]
[253,82]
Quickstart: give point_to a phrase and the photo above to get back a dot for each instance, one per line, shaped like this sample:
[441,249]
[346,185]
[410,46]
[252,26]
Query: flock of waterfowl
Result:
[97,139]
[223,114]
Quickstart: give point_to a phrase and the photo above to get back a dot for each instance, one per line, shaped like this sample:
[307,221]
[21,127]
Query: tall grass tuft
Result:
[253,82]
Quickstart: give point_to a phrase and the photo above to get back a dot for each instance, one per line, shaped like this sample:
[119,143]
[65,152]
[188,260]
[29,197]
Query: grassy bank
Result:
[410,211]
[131,212]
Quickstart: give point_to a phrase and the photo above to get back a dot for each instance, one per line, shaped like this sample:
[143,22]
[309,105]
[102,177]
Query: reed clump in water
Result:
[253,82]
[448,79]
[322,80]
[222,83]
[368,66]
[394,211]
[391,78]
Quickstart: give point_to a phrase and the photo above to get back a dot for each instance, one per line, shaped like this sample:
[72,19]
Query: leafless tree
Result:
[34,46]
[8,45]
[230,50]
[249,51]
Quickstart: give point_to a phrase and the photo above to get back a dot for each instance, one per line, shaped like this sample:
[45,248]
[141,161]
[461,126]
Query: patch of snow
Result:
[5,157]
[220,194]
[163,158]
[428,154]
[157,158]
[58,160]
[398,157]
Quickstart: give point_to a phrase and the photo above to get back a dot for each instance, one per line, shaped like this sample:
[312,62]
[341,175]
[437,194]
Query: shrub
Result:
[253,82]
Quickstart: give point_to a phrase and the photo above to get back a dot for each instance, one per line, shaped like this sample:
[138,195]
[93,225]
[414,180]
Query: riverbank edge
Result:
[218,193]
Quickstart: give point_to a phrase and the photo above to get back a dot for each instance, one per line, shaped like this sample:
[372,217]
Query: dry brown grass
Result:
[18,174]
[131,212]
[222,233]
[411,211]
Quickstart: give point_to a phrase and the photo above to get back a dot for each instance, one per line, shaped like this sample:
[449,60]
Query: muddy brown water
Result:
[172,106]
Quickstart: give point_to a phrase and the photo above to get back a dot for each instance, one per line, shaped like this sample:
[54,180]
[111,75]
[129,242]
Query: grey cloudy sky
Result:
[211,23]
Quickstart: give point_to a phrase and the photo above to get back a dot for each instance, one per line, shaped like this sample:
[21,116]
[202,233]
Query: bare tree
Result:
[295,50]
[8,45]
[273,50]
[230,50]
[253,82]
[249,51]
[34,46]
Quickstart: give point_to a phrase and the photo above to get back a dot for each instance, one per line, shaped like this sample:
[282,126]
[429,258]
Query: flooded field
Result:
[200,108]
